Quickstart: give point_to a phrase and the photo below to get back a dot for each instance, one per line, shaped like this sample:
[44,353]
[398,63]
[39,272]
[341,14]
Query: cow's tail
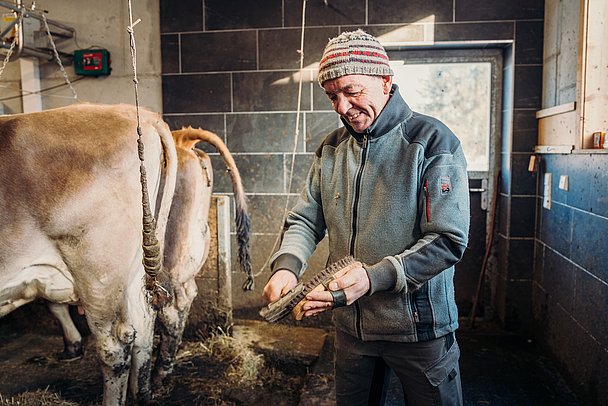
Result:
[157,280]
[188,138]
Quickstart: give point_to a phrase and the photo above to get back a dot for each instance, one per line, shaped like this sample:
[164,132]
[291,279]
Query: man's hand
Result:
[279,284]
[352,279]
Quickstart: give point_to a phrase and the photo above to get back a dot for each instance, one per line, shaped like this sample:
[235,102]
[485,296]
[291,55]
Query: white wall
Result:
[100,24]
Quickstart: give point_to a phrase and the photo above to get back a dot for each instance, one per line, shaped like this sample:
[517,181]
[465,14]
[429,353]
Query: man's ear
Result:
[387,83]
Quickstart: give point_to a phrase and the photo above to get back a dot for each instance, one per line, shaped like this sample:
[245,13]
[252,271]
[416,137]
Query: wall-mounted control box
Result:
[92,62]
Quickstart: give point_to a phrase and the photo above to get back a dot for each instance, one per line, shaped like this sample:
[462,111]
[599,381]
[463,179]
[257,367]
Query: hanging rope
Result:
[152,256]
[295,141]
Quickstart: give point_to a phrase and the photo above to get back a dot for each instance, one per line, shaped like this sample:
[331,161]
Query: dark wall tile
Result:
[260,173]
[474,31]
[529,42]
[320,101]
[474,10]
[392,32]
[334,12]
[196,93]
[539,258]
[589,243]
[587,183]
[525,130]
[184,15]
[169,47]
[301,168]
[269,91]
[266,212]
[528,87]
[559,279]
[218,51]
[592,302]
[557,226]
[521,259]
[523,212]
[263,132]
[233,14]
[318,126]
[209,122]
[386,11]
[522,181]
[279,48]
[518,308]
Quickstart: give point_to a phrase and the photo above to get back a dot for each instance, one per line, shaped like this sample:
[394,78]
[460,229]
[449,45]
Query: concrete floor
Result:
[496,369]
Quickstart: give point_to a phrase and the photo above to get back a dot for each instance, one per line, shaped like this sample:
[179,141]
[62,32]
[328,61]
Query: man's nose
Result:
[342,105]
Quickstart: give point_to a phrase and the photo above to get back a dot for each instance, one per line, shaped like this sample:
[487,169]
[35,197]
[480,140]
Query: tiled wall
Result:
[570,290]
[231,67]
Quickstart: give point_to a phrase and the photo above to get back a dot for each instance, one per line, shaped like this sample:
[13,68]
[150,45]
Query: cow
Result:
[71,225]
[186,244]
[188,232]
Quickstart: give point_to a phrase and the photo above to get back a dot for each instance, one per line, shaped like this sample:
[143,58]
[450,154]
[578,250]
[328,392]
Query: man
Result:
[390,188]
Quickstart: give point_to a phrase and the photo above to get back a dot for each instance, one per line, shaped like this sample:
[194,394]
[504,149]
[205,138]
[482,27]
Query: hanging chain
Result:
[63,72]
[11,48]
[7,57]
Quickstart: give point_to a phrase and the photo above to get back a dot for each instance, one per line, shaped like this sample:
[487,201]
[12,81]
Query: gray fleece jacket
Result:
[396,198]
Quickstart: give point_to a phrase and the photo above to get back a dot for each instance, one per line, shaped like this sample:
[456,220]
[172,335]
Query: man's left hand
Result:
[353,281]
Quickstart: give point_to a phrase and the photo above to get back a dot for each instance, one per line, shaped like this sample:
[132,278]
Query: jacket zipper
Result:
[354,222]
[414,310]
[427,201]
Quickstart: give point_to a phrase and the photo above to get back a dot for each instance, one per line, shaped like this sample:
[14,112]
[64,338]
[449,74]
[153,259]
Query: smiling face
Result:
[358,99]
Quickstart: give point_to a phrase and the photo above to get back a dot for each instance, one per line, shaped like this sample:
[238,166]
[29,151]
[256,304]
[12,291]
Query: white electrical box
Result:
[563,182]
[547,191]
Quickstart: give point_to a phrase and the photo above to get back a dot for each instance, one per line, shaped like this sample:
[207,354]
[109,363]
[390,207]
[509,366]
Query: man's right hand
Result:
[279,284]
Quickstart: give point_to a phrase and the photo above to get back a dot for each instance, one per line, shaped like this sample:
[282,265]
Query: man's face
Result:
[359,99]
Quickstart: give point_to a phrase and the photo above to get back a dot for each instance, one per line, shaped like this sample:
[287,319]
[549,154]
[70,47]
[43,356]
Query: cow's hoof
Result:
[71,352]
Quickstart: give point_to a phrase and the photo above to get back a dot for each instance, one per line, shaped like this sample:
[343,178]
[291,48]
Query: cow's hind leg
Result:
[171,323]
[72,340]
[114,342]
[142,319]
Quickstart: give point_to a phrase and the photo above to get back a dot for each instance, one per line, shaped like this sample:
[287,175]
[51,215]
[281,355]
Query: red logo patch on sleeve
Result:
[446,186]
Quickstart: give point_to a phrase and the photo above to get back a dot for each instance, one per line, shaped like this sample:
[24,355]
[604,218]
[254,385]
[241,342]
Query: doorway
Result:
[463,89]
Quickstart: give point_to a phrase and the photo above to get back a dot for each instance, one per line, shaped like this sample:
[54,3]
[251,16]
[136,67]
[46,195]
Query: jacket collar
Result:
[395,112]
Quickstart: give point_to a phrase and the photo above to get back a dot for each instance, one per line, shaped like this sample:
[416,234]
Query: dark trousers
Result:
[428,371]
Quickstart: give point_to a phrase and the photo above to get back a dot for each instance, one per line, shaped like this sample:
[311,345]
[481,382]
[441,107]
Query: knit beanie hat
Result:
[353,53]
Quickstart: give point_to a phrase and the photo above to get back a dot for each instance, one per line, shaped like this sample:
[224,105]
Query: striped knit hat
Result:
[353,53]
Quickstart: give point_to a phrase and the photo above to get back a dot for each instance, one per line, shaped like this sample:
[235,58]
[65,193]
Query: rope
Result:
[152,255]
[295,141]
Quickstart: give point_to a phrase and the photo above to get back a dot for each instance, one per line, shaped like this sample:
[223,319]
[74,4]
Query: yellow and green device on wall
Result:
[92,62]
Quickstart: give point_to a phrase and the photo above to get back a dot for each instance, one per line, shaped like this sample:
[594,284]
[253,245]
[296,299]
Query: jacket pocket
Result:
[445,366]
[427,201]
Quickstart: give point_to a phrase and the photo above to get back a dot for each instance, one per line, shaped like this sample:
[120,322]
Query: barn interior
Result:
[524,83]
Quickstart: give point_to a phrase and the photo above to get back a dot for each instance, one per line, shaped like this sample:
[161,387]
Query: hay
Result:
[35,398]
[244,367]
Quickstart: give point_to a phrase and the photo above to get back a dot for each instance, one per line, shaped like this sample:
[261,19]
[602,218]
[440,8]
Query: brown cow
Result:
[187,239]
[70,225]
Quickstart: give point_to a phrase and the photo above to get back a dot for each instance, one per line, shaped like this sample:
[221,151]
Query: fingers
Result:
[279,284]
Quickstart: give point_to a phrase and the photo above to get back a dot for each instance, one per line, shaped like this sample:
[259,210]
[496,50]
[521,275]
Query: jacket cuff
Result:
[382,276]
[289,262]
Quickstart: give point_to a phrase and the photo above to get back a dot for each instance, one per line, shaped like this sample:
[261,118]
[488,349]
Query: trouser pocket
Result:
[444,375]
